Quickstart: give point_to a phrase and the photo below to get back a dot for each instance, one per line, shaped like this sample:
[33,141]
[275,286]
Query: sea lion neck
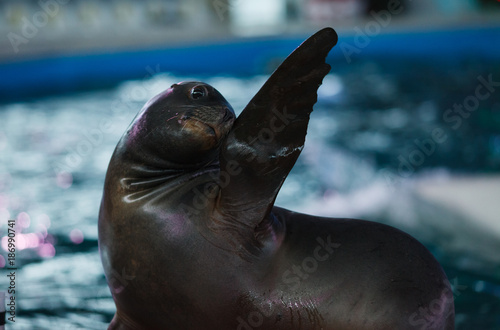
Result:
[140,160]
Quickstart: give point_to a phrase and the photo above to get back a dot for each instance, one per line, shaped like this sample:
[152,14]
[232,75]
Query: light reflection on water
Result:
[55,151]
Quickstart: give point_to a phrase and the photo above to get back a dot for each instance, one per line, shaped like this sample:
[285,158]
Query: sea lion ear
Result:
[267,137]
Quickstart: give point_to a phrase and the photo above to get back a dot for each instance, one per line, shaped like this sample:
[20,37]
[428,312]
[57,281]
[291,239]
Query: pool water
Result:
[369,118]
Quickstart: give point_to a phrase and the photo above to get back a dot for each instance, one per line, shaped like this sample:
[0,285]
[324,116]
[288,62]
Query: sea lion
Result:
[190,238]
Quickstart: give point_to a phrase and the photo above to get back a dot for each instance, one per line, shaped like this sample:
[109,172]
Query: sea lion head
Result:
[183,125]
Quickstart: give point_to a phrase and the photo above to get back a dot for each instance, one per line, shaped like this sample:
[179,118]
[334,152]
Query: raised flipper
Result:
[268,136]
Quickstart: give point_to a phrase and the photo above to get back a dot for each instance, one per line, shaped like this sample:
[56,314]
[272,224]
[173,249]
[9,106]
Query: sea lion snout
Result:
[207,120]
[215,115]
[202,112]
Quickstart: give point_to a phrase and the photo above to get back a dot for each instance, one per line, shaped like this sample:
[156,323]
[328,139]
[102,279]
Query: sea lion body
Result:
[190,238]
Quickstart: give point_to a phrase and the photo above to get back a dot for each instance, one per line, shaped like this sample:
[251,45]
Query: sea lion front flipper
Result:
[268,136]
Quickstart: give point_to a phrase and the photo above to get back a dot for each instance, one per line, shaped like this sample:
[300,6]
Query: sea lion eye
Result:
[198,92]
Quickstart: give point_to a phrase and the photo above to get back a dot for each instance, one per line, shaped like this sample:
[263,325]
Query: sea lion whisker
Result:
[176,116]
[183,126]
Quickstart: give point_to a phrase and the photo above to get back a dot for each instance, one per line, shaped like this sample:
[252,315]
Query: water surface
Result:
[369,118]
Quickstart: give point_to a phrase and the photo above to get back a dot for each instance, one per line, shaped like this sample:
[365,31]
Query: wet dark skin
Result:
[190,238]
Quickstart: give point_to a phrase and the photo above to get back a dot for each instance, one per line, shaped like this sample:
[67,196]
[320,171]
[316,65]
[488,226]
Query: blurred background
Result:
[406,130]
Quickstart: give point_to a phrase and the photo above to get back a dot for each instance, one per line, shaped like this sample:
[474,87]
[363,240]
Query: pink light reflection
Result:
[50,239]
[76,236]
[23,220]
[20,242]
[64,180]
[47,250]
[41,230]
[2,261]
[33,240]
[24,241]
